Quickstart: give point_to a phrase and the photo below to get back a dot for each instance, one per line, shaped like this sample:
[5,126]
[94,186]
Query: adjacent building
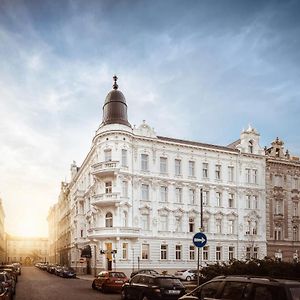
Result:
[135,200]
[26,250]
[59,225]
[2,234]
[283,196]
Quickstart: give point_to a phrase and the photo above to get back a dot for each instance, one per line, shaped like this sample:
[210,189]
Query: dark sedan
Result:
[67,272]
[152,287]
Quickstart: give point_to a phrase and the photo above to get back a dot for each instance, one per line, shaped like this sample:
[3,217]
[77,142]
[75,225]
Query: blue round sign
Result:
[199,239]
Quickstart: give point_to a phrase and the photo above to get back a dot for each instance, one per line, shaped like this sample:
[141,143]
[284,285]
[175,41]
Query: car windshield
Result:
[295,292]
[169,282]
[117,274]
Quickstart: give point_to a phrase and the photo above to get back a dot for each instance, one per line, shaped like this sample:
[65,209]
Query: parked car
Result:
[109,280]
[67,272]
[188,275]
[246,288]
[6,284]
[18,267]
[11,279]
[152,287]
[4,293]
[11,269]
[57,270]
[51,268]
[144,271]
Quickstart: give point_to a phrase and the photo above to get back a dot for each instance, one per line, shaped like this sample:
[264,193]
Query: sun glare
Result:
[28,227]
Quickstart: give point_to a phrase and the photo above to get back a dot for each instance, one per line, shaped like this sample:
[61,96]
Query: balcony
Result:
[278,216]
[103,169]
[102,200]
[295,219]
[78,195]
[113,232]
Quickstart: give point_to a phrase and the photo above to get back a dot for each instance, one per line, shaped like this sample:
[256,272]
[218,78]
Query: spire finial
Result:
[115,86]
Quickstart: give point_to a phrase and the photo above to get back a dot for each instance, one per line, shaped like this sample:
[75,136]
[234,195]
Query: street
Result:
[35,284]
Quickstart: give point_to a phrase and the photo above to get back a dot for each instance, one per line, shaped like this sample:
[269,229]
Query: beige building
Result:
[26,250]
[59,225]
[2,234]
[283,196]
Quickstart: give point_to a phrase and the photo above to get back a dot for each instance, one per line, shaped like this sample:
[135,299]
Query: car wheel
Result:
[188,278]
[94,286]
[123,295]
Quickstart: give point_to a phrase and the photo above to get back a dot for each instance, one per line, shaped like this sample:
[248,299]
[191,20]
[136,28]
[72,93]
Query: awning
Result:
[86,252]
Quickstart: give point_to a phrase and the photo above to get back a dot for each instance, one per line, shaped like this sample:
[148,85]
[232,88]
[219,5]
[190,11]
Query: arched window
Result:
[278,232]
[109,220]
[250,146]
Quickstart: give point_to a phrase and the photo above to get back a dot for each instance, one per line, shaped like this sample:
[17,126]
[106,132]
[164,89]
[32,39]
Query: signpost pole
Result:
[201,230]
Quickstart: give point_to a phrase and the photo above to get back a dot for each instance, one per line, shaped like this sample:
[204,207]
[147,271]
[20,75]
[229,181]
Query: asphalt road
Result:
[35,284]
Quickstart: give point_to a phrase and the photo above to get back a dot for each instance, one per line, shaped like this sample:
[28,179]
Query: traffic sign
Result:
[199,239]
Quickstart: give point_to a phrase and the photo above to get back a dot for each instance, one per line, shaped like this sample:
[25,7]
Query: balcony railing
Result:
[112,232]
[106,168]
[106,199]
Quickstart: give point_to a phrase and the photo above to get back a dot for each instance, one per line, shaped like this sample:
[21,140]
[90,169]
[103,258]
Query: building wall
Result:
[90,201]
[26,250]
[283,195]
[2,234]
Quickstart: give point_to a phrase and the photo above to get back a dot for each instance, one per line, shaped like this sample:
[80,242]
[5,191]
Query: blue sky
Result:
[199,70]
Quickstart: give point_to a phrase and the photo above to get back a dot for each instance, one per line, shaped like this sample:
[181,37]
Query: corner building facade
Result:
[139,194]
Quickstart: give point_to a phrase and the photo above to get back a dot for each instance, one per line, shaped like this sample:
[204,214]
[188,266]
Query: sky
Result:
[196,70]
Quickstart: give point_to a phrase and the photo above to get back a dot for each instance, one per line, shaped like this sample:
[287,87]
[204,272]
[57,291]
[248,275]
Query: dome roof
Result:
[115,107]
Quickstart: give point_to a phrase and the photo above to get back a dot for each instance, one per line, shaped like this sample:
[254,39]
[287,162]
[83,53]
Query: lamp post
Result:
[201,230]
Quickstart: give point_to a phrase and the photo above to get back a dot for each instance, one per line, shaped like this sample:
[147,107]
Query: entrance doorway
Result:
[109,256]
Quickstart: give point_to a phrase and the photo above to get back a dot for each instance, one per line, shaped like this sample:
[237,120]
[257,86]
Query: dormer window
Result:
[250,146]
[277,152]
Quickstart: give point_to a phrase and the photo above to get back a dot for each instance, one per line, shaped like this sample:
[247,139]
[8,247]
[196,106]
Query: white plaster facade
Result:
[139,194]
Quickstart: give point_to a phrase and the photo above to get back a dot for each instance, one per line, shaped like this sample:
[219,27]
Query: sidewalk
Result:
[86,277]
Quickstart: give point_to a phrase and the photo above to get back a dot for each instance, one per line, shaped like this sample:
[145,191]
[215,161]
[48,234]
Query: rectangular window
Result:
[218,226]
[205,170]
[230,200]
[248,227]
[164,223]
[191,168]
[191,224]
[163,194]
[107,155]
[295,183]
[248,252]
[192,252]
[205,253]
[192,193]
[255,252]
[124,158]
[163,165]
[145,221]
[145,162]
[248,201]
[145,192]
[178,192]
[218,253]
[125,251]
[163,252]
[254,176]
[125,188]
[219,199]
[230,174]
[178,222]
[255,202]
[205,198]
[218,172]
[178,252]
[231,253]
[145,251]
[295,209]
[205,225]
[108,187]
[278,207]
[177,167]
[248,175]
[231,227]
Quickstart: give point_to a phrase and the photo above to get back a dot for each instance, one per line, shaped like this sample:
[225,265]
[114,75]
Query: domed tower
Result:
[115,107]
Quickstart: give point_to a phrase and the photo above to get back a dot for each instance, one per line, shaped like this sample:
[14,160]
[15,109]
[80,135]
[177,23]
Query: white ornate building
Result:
[139,193]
